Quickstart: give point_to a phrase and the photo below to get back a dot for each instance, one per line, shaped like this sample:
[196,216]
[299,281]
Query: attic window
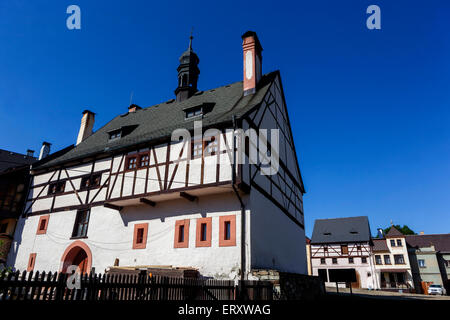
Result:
[194,112]
[327,233]
[354,232]
[113,135]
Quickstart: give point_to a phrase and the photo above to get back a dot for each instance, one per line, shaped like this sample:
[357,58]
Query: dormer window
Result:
[194,112]
[199,110]
[116,134]
[327,233]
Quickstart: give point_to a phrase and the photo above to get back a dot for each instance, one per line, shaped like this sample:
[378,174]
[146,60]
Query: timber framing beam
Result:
[112,206]
[188,196]
[147,201]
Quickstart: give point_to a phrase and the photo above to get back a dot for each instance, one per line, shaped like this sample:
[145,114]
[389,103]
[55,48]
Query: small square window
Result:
[334,260]
[322,261]
[56,187]
[363,260]
[144,160]
[196,149]
[392,243]
[350,260]
[421,263]
[399,242]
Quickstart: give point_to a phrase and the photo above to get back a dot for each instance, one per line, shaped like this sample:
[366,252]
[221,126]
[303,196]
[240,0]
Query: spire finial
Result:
[190,39]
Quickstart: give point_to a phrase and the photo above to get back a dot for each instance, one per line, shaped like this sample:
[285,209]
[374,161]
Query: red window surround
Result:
[181,234]
[31,262]
[227,231]
[204,226]
[137,160]
[42,225]
[140,236]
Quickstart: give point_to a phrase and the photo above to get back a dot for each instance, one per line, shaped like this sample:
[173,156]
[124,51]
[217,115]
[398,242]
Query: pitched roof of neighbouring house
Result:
[441,242]
[9,159]
[159,121]
[352,229]
[379,245]
[393,233]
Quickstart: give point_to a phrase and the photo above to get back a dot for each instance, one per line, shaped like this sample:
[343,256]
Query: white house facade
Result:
[130,194]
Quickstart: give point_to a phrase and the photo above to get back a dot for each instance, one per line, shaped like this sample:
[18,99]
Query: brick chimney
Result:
[133,108]
[87,124]
[45,150]
[252,61]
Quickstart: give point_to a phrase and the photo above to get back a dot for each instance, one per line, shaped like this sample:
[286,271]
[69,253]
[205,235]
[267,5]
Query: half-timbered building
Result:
[129,194]
[343,243]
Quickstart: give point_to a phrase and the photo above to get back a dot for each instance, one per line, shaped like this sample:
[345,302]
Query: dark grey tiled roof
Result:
[9,159]
[441,242]
[353,229]
[161,120]
[380,245]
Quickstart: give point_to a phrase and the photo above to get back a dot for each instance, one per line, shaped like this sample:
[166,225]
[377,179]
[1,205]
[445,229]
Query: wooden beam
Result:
[188,196]
[147,201]
[112,206]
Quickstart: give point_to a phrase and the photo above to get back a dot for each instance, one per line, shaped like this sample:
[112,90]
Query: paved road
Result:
[387,295]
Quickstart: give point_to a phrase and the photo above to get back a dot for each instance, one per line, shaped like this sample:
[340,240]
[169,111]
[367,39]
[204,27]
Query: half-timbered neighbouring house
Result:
[130,195]
[343,243]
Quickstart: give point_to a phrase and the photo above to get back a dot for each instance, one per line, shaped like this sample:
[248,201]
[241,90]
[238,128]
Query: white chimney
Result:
[45,150]
[87,124]
[252,61]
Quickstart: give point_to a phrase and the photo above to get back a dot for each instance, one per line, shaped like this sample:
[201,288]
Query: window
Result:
[363,260]
[327,233]
[42,224]
[90,181]
[131,163]
[81,224]
[144,160]
[334,260]
[140,236]
[421,263]
[387,259]
[392,243]
[399,259]
[227,231]
[116,134]
[196,149]
[211,147]
[56,187]
[322,261]
[204,232]
[181,234]
[378,260]
[344,249]
[399,242]
[358,247]
[3,227]
[194,112]
[31,262]
[447,263]
[325,248]
[350,260]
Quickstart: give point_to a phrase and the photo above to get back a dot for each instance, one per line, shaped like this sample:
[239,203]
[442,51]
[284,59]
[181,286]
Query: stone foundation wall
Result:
[292,286]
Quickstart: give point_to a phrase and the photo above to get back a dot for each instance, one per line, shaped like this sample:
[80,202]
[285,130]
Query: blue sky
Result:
[369,108]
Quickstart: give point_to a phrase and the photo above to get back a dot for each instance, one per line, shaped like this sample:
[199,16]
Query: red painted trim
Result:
[143,244]
[185,243]
[232,241]
[43,219]
[198,241]
[31,262]
[69,254]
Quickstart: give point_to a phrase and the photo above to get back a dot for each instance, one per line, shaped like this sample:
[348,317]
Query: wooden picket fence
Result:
[53,287]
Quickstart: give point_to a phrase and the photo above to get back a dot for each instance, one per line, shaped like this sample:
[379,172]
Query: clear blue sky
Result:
[369,109]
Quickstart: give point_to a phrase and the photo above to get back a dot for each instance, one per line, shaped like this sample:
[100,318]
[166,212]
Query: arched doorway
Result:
[78,254]
[357,284]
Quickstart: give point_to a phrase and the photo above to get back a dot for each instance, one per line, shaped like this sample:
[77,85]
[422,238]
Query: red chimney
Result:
[252,61]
